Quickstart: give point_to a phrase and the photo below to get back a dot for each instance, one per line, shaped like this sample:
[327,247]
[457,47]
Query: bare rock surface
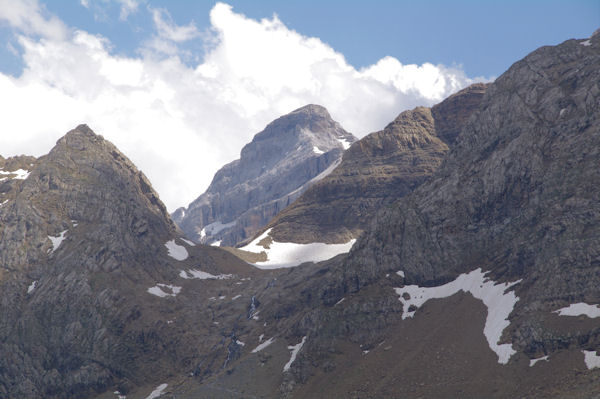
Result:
[282,161]
[376,171]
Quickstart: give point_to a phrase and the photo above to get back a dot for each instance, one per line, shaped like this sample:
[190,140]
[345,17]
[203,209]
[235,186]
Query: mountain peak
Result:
[273,170]
[313,109]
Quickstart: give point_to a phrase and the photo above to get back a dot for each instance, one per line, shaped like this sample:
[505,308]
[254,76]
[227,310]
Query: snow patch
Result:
[200,275]
[31,287]
[158,290]
[340,301]
[289,254]
[586,43]
[592,360]
[56,241]
[345,143]
[400,273]
[317,150]
[215,227]
[188,242]
[236,297]
[157,392]
[21,174]
[295,349]
[240,343]
[263,345]
[581,308]
[119,396]
[177,252]
[261,337]
[215,243]
[532,362]
[498,302]
[4,202]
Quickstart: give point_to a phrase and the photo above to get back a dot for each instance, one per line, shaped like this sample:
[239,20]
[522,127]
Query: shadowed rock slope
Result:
[375,171]
[95,284]
[284,159]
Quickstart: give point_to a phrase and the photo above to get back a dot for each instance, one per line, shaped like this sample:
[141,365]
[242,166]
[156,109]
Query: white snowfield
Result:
[295,349]
[200,275]
[317,150]
[263,345]
[345,143]
[498,302]
[592,360]
[289,254]
[215,227]
[157,392]
[56,241]
[177,252]
[532,362]
[578,309]
[21,174]
[160,290]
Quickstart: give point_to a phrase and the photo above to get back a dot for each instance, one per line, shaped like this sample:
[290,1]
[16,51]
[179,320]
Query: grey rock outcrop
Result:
[82,239]
[376,171]
[519,196]
[280,163]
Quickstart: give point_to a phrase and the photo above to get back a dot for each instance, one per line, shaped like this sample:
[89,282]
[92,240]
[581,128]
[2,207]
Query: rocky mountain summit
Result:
[90,269]
[280,163]
[376,171]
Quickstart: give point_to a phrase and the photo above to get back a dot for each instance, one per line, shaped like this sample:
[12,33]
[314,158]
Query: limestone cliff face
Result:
[273,170]
[376,171]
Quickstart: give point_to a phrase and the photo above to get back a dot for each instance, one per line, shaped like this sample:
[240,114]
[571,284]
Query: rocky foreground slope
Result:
[280,163]
[376,171]
[97,288]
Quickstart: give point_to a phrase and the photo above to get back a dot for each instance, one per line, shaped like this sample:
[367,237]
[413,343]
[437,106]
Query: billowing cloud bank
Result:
[181,123]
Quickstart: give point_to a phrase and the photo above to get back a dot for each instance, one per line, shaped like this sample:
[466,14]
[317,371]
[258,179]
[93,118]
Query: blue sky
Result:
[181,86]
[484,37]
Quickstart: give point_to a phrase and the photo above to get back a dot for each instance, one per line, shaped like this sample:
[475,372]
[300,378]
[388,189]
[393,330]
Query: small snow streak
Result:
[160,290]
[157,392]
[295,349]
[200,275]
[31,287]
[56,241]
[263,345]
[578,309]
[532,362]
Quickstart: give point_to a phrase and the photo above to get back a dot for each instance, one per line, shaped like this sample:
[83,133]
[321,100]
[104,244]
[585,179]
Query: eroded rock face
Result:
[376,171]
[82,240]
[518,196]
[283,160]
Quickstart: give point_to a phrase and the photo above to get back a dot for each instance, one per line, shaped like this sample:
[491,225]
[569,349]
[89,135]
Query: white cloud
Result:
[180,124]
[169,30]
[30,18]
[127,7]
